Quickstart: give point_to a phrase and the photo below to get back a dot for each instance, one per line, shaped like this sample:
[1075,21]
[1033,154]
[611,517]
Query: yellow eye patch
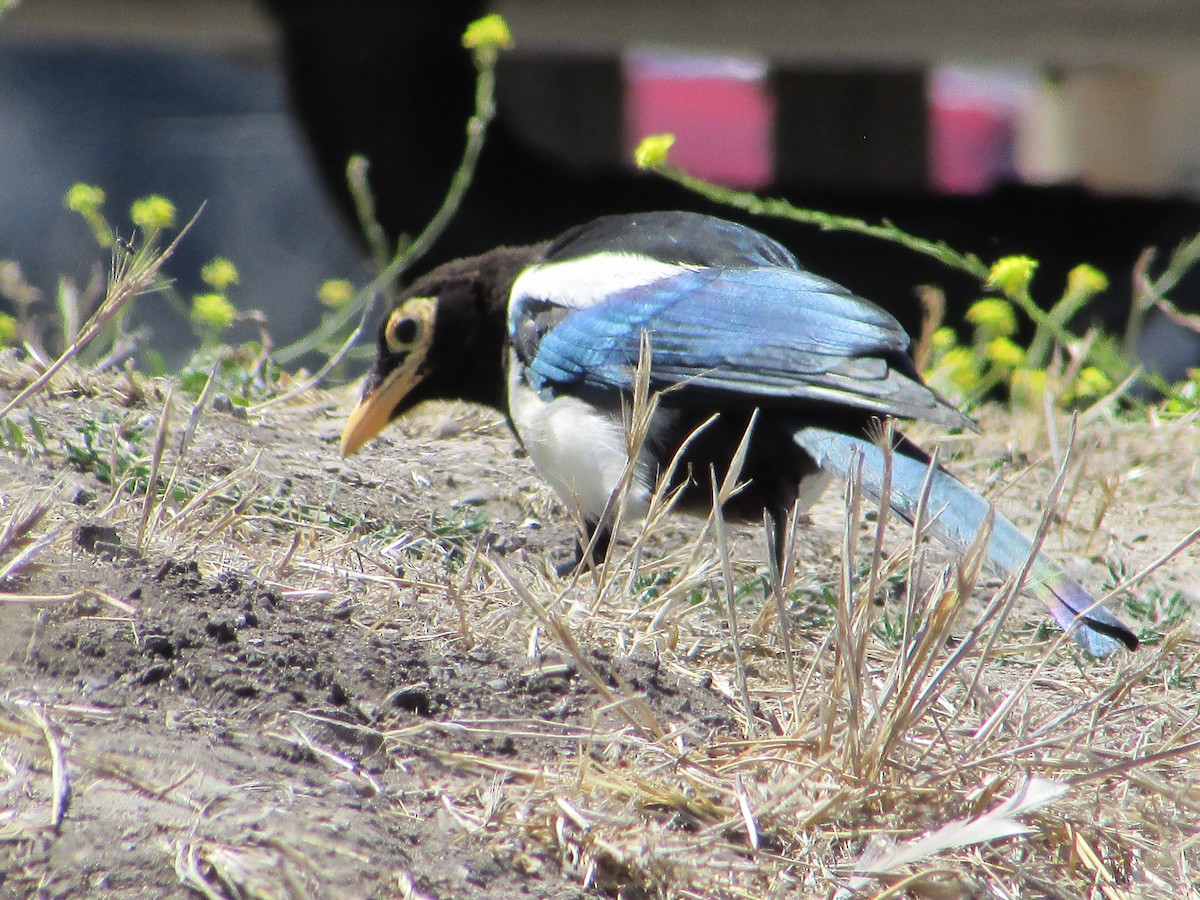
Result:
[410,325]
[407,337]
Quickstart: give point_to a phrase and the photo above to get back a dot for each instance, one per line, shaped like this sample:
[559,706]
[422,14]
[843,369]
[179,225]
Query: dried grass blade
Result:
[781,610]
[848,669]
[747,812]
[127,287]
[217,487]
[1137,578]
[160,443]
[645,718]
[731,608]
[22,559]
[996,824]
[185,441]
[730,486]
[24,519]
[59,778]
[188,871]
[887,442]
[43,598]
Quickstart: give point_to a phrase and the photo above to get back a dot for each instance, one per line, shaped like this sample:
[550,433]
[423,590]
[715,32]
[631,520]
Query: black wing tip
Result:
[953,417]
[1116,631]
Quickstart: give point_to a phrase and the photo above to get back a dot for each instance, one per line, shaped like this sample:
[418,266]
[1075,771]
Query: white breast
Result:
[579,450]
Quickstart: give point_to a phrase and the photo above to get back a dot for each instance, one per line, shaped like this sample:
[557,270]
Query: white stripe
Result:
[582,282]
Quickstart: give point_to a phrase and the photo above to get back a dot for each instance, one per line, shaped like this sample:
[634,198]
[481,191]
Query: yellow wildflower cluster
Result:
[213,312]
[153,213]
[335,293]
[88,200]
[993,359]
[220,274]
[653,151]
[487,36]
[1012,275]
[8,330]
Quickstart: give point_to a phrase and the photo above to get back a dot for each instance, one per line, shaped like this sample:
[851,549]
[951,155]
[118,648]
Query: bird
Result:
[742,346]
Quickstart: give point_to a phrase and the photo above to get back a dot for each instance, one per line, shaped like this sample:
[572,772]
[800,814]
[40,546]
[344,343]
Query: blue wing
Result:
[778,336]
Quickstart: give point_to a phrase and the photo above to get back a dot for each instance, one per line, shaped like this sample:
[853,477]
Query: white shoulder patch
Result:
[582,282]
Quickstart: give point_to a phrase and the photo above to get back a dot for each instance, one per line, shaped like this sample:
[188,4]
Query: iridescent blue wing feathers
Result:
[777,336]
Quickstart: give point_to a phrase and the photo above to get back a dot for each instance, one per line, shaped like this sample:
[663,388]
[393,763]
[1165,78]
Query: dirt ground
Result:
[309,677]
[222,731]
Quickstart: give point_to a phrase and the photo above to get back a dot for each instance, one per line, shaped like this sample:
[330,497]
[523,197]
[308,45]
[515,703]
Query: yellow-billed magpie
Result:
[552,334]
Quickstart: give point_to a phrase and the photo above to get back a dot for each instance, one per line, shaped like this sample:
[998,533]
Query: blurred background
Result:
[1069,131]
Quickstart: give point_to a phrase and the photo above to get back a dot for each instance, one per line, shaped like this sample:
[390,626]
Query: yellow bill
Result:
[406,335]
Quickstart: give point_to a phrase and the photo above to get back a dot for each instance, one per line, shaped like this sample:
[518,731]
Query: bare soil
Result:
[218,725]
[317,681]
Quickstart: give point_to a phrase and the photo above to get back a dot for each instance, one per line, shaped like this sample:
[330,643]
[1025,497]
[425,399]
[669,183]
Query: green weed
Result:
[112,452]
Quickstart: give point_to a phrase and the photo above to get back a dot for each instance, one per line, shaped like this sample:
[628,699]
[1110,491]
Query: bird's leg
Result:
[599,536]
[775,521]
[780,519]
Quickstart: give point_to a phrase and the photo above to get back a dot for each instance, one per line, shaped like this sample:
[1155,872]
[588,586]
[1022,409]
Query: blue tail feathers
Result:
[955,515]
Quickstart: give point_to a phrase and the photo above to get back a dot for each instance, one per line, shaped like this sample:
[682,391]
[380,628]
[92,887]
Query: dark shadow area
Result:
[394,84]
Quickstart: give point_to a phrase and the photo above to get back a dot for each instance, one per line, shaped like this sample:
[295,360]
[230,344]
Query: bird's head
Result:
[443,339]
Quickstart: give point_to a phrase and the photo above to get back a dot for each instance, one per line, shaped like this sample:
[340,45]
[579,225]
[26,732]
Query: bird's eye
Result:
[402,331]
[409,328]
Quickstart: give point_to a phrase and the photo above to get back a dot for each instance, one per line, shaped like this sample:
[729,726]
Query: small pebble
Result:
[477,497]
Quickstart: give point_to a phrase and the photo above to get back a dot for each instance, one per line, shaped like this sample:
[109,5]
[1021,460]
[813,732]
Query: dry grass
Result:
[952,764]
[933,746]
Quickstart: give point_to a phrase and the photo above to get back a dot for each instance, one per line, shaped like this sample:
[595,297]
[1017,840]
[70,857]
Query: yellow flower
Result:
[1092,382]
[85,199]
[152,213]
[336,292]
[993,317]
[1028,385]
[220,273]
[488,35]
[959,367]
[653,151]
[1085,279]
[1012,274]
[213,311]
[8,330]
[1003,352]
[943,339]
